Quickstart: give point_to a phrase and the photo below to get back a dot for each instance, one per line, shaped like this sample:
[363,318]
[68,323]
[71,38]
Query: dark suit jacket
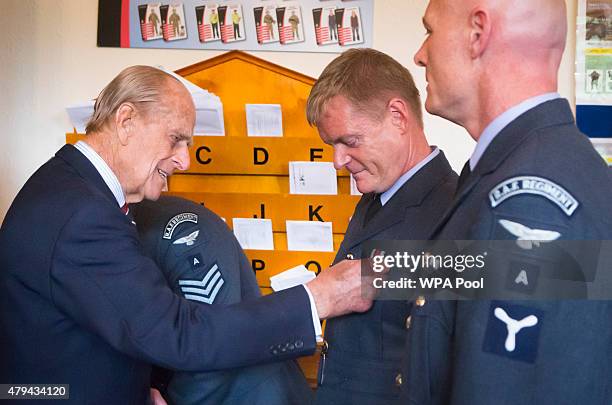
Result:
[365,350]
[456,350]
[81,304]
[203,249]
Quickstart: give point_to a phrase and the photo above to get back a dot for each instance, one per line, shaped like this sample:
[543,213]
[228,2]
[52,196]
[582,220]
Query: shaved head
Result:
[504,51]
[530,27]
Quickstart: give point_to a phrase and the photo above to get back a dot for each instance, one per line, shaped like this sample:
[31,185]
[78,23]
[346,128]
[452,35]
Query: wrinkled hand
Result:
[156,398]
[341,289]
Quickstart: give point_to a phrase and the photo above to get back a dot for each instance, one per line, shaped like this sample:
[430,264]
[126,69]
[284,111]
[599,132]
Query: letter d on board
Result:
[257,153]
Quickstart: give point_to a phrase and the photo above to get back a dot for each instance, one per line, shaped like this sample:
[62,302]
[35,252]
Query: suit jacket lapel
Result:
[554,112]
[85,169]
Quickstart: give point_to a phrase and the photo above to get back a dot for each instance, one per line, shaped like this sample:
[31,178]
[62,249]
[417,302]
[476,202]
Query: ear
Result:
[124,122]
[480,31]
[401,114]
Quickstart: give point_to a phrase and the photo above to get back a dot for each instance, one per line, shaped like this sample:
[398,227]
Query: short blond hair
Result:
[139,85]
[368,79]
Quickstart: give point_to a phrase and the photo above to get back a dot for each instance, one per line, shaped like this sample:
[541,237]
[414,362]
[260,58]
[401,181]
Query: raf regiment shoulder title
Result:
[534,186]
[176,221]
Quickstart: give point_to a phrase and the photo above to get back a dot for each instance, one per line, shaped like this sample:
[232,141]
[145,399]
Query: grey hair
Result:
[139,85]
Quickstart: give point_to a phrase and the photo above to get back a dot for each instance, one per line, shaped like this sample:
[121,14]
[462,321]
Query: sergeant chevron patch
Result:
[534,186]
[204,290]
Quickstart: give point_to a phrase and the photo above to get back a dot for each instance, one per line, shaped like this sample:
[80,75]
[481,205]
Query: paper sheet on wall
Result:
[312,178]
[264,120]
[253,233]
[290,278]
[310,236]
[209,115]
[208,106]
[79,114]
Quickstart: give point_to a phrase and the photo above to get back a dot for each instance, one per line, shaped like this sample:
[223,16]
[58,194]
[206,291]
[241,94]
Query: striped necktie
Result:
[125,209]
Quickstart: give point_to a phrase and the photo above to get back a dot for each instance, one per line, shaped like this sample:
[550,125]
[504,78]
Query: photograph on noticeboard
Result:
[349,25]
[207,18]
[598,20]
[232,23]
[326,30]
[265,24]
[150,21]
[173,21]
[598,74]
[290,23]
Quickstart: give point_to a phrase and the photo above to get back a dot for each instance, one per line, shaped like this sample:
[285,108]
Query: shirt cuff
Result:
[316,321]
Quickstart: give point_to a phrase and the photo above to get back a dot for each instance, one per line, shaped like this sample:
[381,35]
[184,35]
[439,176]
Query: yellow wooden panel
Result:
[254,155]
[212,183]
[249,155]
[268,263]
[239,79]
[72,138]
[310,367]
[278,207]
[266,290]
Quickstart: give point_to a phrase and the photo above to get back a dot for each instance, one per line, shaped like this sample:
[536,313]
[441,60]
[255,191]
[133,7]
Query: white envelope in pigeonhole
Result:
[312,178]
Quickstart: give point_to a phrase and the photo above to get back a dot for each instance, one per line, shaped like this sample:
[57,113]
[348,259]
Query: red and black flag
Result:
[114,23]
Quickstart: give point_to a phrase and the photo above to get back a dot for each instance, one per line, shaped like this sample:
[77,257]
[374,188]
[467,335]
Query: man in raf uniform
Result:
[531,170]
[203,262]
[376,129]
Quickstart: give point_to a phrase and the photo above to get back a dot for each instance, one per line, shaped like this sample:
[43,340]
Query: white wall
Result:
[49,59]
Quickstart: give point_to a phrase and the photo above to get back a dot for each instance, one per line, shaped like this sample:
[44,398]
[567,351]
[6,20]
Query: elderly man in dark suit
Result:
[79,302]
[365,105]
[531,170]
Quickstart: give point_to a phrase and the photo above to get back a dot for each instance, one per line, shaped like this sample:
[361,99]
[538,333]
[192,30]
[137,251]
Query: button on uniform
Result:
[399,380]
[408,322]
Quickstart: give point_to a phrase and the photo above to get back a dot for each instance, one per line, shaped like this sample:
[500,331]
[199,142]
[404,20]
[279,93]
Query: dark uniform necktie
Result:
[373,208]
[465,173]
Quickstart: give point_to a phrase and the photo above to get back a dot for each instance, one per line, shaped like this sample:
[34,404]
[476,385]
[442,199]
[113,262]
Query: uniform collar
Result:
[502,120]
[111,180]
[386,196]
[551,113]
